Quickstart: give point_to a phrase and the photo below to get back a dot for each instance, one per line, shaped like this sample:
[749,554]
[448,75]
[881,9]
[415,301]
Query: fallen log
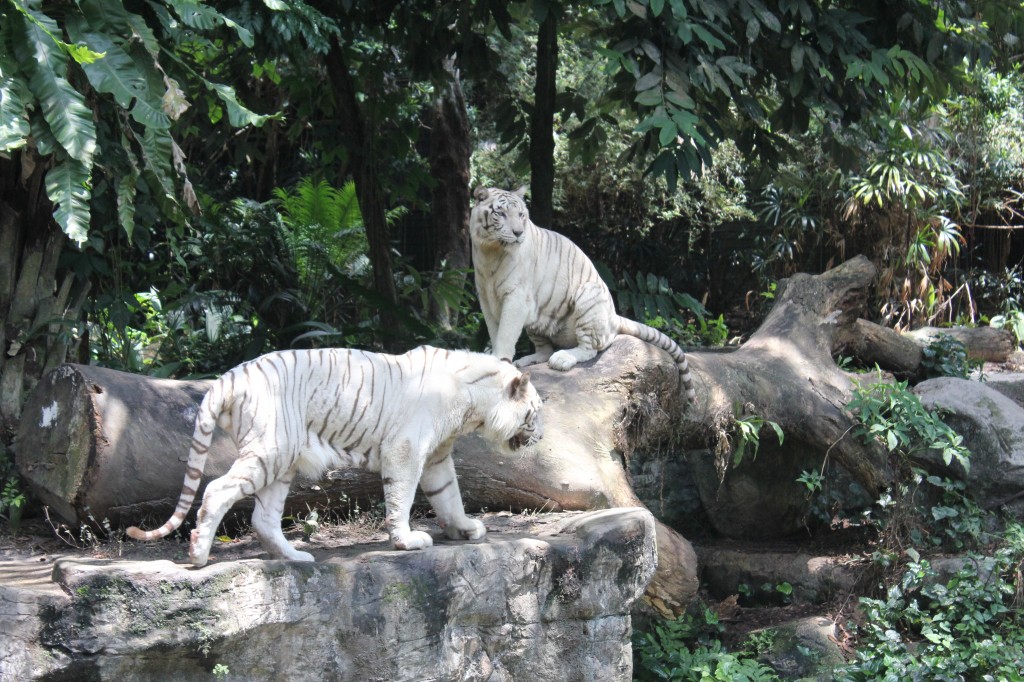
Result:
[99,446]
[986,344]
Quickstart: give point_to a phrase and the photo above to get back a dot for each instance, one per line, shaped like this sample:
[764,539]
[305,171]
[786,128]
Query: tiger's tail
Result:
[217,399]
[653,336]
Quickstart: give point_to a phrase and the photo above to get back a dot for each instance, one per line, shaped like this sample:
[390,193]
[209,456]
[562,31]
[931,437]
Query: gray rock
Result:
[992,426]
[804,649]
[1010,384]
[551,604]
[725,570]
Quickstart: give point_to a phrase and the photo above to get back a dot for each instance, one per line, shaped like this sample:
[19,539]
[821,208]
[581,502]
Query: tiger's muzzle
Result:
[525,439]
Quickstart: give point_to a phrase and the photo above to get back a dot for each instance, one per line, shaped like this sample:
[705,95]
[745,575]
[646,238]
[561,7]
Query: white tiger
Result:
[304,411]
[532,278]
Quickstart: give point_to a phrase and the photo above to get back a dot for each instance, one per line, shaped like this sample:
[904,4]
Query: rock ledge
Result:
[551,603]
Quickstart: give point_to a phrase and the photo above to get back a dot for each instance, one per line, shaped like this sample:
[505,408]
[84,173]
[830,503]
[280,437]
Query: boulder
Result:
[805,649]
[992,426]
[543,597]
[1010,384]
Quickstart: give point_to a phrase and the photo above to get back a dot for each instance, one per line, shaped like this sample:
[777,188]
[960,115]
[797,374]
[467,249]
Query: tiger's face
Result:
[531,427]
[515,421]
[499,216]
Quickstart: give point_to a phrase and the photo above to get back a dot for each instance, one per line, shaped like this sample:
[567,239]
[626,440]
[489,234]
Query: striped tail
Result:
[653,336]
[215,401]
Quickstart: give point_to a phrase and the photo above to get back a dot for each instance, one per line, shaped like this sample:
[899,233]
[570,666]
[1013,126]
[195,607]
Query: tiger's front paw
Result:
[413,539]
[563,361]
[466,529]
[296,555]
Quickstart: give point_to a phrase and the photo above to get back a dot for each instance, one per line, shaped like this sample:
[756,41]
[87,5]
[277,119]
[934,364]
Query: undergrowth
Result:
[944,588]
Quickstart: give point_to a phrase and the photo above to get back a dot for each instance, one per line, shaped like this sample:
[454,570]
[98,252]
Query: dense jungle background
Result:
[185,186]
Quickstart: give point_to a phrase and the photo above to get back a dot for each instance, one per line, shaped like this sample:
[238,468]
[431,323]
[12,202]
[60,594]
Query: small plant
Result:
[968,628]
[761,642]
[688,649]
[747,434]
[12,497]
[945,357]
[310,523]
[1012,320]
[894,416]
[221,671]
[812,480]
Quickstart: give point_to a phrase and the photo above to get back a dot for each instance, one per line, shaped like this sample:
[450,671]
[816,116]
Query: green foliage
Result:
[682,67]
[945,357]
[746,431]
[64,67]
[922,510]
[12,494]
[968,628]
[1014,321]
[686,649]
[890,414]
[650,299]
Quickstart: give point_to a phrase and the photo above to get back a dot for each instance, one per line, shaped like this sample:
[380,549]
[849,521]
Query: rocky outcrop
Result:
[546,597]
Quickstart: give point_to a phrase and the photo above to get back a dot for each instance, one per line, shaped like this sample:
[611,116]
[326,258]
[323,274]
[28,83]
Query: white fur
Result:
[303,412]
[535,279]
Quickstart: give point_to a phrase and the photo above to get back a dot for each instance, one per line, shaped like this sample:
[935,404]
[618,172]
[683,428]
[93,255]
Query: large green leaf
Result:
[126,192]
[116,74]
[197,15]
[238,115]
[68,186]
[14,96]
[62,106]
[158,158]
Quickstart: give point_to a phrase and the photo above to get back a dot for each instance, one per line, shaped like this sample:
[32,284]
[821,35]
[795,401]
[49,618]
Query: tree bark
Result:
[450,147]
[36,298]
[873,344]
[986,344]
[542,123]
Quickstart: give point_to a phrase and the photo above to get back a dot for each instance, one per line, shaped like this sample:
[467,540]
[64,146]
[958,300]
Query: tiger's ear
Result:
[517,387]
[521,192]
[481,193]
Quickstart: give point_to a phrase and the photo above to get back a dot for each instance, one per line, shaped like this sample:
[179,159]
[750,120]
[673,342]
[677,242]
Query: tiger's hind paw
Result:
[414,539]
[468,529]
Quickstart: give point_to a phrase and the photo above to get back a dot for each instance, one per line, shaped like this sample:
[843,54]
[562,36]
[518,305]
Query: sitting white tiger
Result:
[532,278]
[305,411]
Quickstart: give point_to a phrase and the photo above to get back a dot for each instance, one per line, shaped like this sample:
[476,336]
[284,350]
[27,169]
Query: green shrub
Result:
[968,628]
[945,357]
[687,649]
[12,496]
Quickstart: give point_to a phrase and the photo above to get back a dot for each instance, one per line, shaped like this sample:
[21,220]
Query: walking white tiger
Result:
[532,278]
[304,411]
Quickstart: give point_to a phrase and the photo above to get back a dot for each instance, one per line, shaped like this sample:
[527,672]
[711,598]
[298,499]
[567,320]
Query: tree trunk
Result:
[542,123]
[36,299]
[986,344]
[784,374]
[450,148]
[359,143]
